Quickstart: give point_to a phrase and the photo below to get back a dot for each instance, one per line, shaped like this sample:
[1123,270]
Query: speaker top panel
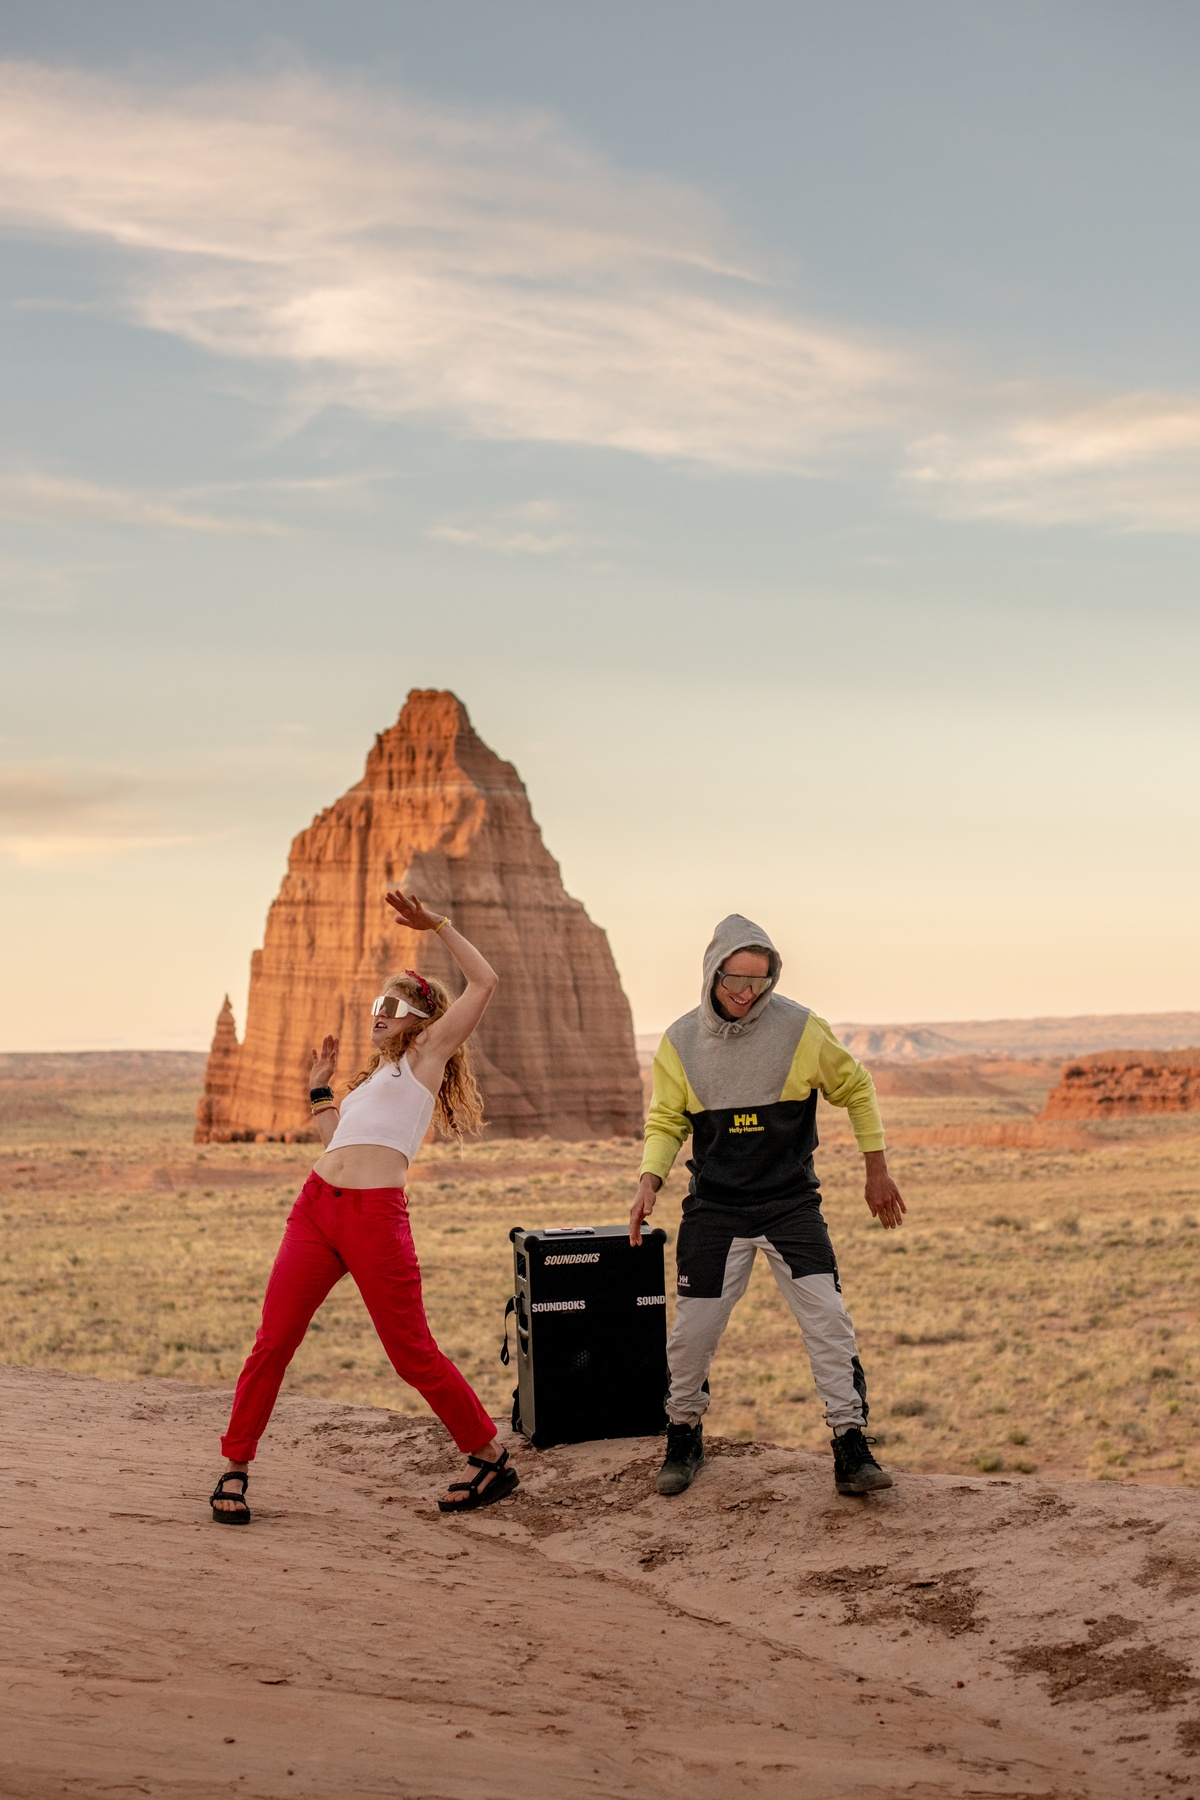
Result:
[580,1235]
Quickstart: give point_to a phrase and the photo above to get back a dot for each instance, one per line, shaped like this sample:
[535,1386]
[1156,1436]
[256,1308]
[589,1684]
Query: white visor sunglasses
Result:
[394,1006]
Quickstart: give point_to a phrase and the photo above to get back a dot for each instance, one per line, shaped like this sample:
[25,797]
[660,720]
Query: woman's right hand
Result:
[324,1062]
[413,912]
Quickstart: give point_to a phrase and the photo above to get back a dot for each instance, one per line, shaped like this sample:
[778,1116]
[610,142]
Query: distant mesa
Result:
[909,1042]
[1053,1038]
[1125,1084]
[439,813]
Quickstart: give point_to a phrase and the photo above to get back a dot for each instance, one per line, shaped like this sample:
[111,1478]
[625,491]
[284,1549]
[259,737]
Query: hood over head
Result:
[736,933]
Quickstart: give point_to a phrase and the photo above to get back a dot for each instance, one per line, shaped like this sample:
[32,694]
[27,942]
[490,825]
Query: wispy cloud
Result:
[534,528]
[32,497]
[488,272]
[62,850]
[33,585]
[53,816]
[483,270]
[51,794]
[59,812]
[1133,460]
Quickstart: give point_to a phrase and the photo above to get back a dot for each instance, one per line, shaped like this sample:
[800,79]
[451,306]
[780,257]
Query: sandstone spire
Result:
[437,811]
[212,1112]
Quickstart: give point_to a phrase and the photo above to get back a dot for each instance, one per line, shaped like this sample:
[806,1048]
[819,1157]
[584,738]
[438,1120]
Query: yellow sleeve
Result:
[843,1081]
[667,1124]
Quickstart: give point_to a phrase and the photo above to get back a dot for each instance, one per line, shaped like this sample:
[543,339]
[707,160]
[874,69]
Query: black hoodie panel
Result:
[755,1155]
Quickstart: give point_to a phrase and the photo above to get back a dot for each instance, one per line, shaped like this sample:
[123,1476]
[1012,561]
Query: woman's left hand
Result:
[412,912]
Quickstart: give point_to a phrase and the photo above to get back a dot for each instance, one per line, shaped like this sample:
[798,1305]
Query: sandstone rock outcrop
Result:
[213,1112]
[440,813]
[1124,1084]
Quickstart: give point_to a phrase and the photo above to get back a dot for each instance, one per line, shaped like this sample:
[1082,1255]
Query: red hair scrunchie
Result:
[426,991]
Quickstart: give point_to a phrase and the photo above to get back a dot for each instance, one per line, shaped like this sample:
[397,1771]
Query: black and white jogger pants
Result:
[715,1254]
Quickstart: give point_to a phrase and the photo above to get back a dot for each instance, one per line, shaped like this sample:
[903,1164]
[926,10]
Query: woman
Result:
[352,1215]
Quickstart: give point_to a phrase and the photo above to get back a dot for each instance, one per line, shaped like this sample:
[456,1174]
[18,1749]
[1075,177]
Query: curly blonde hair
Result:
[458,1108]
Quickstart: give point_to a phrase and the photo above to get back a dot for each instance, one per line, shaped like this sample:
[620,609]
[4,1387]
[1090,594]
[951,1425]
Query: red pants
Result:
[364,1231]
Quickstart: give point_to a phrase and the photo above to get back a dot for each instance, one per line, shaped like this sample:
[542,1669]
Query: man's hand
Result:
[883,1196]
[643,1206]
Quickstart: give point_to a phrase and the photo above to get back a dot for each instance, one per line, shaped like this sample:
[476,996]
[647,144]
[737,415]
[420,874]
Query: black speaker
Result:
[591,1316]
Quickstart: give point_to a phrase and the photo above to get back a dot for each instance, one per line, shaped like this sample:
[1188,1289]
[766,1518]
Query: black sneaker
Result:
[855,1470]
[685,1454]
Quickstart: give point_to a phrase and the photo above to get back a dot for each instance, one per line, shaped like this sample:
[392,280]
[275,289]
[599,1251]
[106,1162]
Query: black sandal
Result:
[505,1483]
[218,1493]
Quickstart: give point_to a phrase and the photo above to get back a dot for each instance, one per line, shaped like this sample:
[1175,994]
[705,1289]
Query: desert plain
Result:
[1010,1619]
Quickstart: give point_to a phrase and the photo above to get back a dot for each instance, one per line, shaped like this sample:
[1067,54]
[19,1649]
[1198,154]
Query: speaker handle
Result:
[504,1351]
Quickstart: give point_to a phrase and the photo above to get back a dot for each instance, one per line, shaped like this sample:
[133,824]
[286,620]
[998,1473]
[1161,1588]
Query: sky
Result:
[779,423]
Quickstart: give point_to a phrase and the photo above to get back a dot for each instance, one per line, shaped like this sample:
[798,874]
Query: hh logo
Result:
[744,1122]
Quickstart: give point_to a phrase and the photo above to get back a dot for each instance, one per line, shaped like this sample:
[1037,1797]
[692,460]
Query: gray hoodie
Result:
[738,1062]
[745,1090]
[733,934]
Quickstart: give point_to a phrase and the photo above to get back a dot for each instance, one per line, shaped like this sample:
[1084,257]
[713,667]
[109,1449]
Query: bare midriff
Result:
[363,1166]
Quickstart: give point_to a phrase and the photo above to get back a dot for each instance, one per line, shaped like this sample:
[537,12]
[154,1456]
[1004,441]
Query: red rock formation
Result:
[1123,1084]
[437,811]
[220,1077]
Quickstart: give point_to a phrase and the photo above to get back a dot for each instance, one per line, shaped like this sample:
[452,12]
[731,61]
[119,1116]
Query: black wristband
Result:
[322,1093]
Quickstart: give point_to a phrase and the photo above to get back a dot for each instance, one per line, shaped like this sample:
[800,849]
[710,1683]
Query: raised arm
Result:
[456,1024]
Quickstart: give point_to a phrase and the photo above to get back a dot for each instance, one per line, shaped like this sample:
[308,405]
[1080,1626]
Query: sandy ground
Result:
[755,1636]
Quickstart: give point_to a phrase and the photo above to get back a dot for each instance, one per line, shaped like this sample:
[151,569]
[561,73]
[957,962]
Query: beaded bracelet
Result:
[324,1105]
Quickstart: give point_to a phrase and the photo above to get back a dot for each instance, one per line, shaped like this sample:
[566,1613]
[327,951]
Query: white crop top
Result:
[391,1108]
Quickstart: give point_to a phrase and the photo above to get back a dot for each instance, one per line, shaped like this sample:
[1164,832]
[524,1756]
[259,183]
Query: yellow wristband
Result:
[442,926]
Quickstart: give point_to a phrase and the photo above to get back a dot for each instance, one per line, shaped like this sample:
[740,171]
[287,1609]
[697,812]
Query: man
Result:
[741,1074]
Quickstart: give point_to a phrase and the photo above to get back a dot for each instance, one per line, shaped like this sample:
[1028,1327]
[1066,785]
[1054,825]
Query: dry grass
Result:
[1038,1310]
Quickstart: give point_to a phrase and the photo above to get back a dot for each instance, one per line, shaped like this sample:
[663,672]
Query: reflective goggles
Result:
[395,1006]
[738,984]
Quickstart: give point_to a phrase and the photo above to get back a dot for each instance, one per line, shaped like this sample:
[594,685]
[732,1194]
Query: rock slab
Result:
[1124,1084]
[441,814]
